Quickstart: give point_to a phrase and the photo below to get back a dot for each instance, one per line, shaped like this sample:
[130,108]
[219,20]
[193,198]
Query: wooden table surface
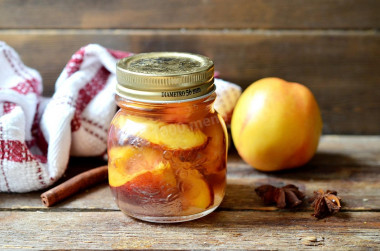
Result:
[91,220]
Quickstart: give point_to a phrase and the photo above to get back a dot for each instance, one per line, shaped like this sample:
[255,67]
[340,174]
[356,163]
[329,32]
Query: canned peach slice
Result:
[168,136]
[215,160]
[195,190]
[151,187]
[126,162]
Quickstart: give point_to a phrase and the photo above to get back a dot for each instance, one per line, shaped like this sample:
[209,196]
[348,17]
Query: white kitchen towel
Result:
[38,135]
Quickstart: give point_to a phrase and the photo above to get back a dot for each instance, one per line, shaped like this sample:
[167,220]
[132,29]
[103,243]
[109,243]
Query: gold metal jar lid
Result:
[159,77]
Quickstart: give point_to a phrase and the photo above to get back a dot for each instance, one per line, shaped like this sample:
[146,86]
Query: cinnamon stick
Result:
[73,185]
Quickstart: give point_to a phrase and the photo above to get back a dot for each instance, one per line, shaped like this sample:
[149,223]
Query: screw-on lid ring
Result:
[165,77]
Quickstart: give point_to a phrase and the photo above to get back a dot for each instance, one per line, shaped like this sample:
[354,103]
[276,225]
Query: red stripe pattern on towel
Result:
[38,135]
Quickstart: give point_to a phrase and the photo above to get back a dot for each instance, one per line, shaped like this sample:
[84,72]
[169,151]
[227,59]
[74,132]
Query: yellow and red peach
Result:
[276,124]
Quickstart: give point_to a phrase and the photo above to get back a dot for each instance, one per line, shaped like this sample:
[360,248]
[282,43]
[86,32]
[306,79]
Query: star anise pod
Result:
[325,203]
[285,197]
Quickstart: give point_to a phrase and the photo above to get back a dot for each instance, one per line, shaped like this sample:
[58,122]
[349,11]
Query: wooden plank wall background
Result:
[332,46]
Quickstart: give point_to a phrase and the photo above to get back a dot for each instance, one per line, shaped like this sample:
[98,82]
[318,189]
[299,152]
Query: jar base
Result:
[171,219]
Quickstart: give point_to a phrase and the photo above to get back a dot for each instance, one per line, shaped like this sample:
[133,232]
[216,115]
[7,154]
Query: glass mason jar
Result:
[167,145]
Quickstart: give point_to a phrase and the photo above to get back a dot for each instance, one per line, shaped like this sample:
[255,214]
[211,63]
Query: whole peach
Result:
[276,125]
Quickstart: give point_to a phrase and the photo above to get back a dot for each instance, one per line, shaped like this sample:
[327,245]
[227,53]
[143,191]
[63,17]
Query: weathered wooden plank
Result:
[341,68]
[354,173]
[220,230]
[336,150]
[356,196]
[294,14]
[240,195]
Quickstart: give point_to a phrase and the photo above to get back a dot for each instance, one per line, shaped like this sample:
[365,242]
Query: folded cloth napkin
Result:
[38,135]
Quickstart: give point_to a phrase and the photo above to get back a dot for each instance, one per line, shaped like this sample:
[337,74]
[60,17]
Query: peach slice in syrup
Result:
[216,148]
[151,187]
[195,190]
[168,136]
[127,162]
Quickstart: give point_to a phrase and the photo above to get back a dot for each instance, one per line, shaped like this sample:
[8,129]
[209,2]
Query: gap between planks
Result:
[219,209]
[186,31]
